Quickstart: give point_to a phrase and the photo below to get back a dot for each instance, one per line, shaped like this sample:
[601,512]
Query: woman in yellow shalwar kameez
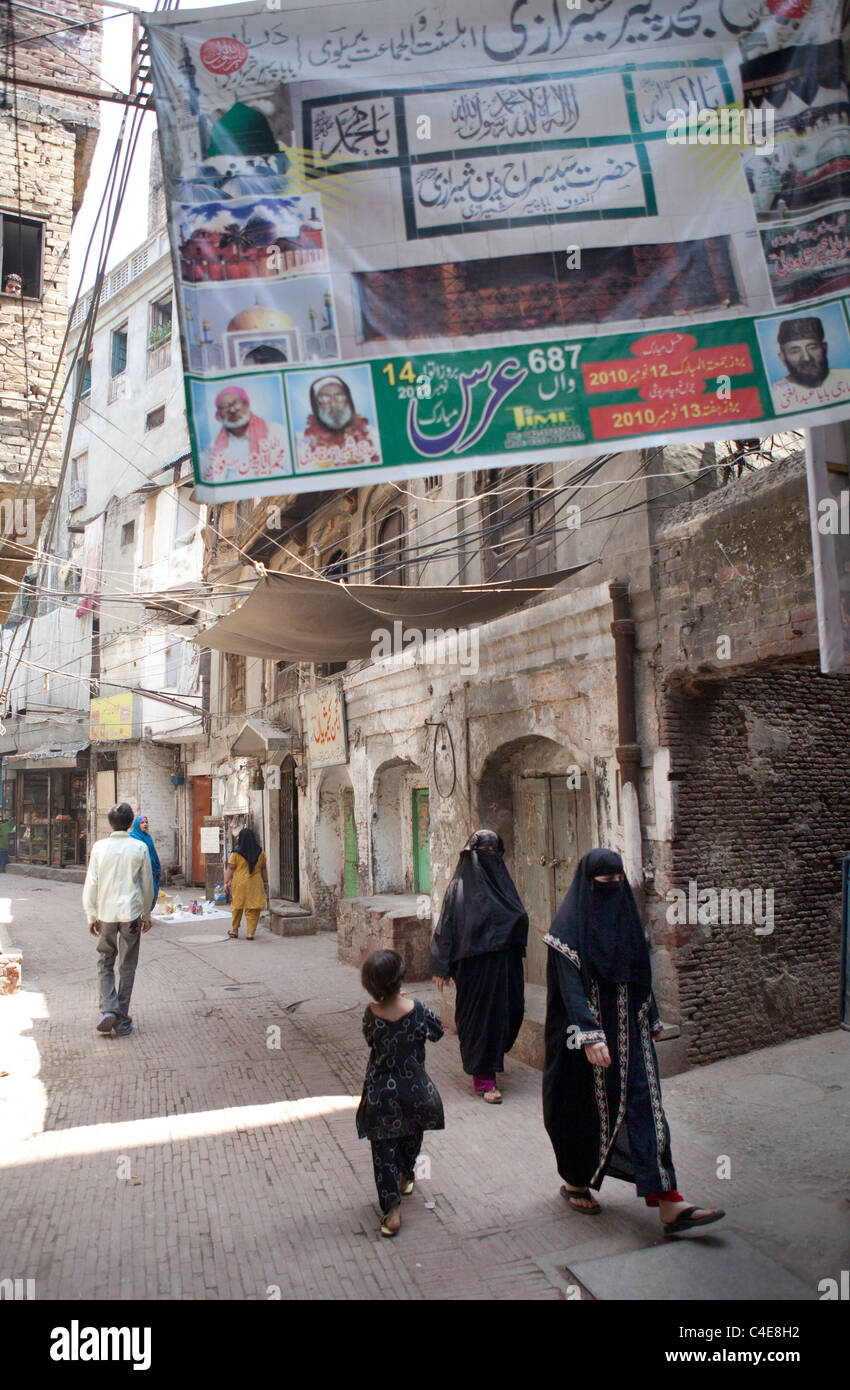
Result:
[248,879]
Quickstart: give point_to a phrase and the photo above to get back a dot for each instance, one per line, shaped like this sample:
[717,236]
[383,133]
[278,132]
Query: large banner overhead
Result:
[410,239]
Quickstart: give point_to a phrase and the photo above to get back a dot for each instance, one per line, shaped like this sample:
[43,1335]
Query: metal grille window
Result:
[285,678]
[21,243]
[235,668]
[335,566]
[518,515]
[389,555]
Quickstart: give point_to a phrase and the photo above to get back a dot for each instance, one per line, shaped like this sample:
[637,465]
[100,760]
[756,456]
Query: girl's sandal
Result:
[389,1230]
[570,1194]
[493,1097]
[234,934]
[406,1186]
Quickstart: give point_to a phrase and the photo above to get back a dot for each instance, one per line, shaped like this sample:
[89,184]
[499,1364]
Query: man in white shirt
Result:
[117,896]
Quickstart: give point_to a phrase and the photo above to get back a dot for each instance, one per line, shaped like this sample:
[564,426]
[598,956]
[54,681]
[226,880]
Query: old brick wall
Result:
[757,743]
[47,141]
[762,784]
[59,49]
[737,565]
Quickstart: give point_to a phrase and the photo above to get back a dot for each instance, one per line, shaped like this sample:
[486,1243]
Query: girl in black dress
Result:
[399,1101]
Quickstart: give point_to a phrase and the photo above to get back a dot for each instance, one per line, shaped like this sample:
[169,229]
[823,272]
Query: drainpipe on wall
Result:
[628,749]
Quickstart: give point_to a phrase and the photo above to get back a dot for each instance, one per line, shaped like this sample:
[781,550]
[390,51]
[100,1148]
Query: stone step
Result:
[288,919]
[74,873]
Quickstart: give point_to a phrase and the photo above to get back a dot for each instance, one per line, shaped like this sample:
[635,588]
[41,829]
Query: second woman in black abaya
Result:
[480,943]
[601,1090]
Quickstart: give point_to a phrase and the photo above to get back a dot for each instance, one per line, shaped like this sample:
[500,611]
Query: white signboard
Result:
[210,839]
[324,718]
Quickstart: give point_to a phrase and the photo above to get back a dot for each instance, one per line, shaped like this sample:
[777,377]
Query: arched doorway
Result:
[537,797]
[400,829]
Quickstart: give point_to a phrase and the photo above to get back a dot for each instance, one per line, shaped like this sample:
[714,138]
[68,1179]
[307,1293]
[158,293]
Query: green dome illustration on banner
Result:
[241,131]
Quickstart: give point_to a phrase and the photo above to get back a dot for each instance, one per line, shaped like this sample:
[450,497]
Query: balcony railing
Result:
[159,357]
[117,388]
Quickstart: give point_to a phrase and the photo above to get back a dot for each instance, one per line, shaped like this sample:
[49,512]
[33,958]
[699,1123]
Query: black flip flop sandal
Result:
[687,1221]
[568,1194]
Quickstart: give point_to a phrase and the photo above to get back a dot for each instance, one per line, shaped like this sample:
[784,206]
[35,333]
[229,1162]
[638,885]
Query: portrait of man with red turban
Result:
[247,446]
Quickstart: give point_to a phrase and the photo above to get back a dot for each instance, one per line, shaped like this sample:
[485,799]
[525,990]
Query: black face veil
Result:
[481,911]
[601,923]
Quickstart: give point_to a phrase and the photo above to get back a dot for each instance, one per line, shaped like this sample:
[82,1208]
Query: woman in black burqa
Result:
[479,942]
[601,1091]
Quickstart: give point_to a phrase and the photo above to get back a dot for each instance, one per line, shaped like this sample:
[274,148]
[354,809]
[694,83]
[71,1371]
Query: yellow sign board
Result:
[111,717]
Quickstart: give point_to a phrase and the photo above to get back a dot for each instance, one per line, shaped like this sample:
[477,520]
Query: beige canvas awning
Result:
[288,617]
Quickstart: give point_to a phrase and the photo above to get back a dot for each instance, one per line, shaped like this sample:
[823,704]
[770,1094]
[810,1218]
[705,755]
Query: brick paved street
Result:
[193,1160]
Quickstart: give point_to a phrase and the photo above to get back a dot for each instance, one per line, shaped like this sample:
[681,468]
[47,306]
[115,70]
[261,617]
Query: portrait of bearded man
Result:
[804,352]
[246,446]
[335,435]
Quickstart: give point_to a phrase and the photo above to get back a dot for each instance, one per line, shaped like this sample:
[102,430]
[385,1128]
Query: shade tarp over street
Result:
[414,238]
[287,617]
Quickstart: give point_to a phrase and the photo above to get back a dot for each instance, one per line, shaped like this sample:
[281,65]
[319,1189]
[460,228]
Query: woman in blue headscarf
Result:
[140,832]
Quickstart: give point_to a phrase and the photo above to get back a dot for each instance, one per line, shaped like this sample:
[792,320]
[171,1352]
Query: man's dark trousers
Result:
[121,939]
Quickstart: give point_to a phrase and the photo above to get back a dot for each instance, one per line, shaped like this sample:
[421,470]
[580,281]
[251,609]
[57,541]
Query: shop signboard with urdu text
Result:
[412,239]
[324,720]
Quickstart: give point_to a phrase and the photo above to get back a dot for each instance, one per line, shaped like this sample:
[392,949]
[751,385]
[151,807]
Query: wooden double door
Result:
[552,832]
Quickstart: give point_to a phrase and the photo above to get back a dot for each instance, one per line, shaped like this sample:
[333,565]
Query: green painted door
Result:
[421,842]
[351,883]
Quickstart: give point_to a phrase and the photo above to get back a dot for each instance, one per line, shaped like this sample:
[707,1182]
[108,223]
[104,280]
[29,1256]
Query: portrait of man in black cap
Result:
[804,352]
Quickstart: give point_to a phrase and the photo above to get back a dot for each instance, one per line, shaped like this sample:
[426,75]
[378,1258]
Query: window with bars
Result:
[518,519]
[159,335]
[21,255]
[285,678]
[160,321]
[234,684]
[389,566]
[128,533]
[335,566]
